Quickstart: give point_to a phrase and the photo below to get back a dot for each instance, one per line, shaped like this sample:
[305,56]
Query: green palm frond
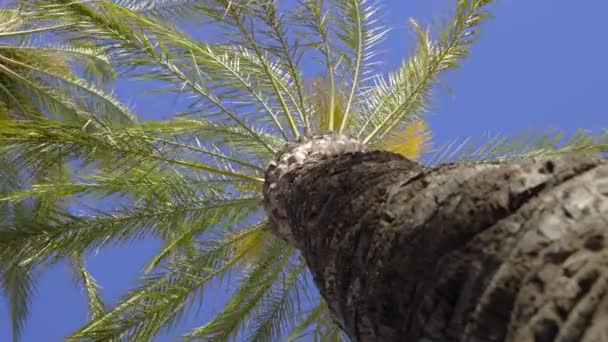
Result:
[3,110]
[316,324]
[160,299]
[135,183]
[308,321]
[89,286]
[274,317]
[9,19]
[360,34]
[93,60]
[18,285]
[165,53]
[64,233]
[132,168]
[42,143]
[527,144]
[18,33]
[37,79]
[278,79]
[256,287]
[313,16]
[406,93]
[236,139]
[36,74]
[174,9]
[18,279]
[287,53]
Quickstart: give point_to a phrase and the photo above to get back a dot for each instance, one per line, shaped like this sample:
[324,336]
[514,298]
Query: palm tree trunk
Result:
[509,251]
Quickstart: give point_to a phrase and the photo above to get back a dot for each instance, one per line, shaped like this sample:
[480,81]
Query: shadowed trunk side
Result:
[493,252]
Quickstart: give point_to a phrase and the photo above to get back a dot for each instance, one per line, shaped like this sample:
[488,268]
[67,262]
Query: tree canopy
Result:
[80,171]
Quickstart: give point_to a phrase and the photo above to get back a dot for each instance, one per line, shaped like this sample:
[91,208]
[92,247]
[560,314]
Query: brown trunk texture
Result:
[513,251]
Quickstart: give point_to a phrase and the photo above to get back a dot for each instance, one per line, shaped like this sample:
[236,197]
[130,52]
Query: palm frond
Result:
[287,51]
[254,244]
[10,19]
[166,9]
[256,284]
[39,79]
[155,197]
[234,138]
[233,67]
[95,61]
[318,323]
[136,183]
[18,286]
[276,76]
[4,112]
[140,41]
[162,297]
[518,146]
[110,106]
[321,98]
[11,34]
[360,33]
[240,20]
[273,318]
[43,142]
[406,93]
[64,233]
[314,17]
[308,321]
[326,330]
[58,105]
[18,279]
[89,285]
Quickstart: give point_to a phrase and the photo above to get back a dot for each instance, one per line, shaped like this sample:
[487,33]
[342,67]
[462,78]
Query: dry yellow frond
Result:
[320,93]
[411,142]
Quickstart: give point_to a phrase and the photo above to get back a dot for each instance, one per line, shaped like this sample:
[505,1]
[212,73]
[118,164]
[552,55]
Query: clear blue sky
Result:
[538,64]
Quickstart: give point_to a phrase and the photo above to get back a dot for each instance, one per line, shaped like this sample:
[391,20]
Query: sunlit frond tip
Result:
[407,92]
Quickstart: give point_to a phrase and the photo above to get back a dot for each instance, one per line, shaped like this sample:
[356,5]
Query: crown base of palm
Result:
[299,154]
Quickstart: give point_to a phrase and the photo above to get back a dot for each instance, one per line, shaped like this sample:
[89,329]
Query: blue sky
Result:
[537,64]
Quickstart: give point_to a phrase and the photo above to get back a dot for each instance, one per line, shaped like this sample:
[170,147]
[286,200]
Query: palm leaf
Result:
[18,286]
[406,93]
[274,316]
[42,143]
[156,49]
[256,285]
[162,296]
[90,287]
[527,144]
[38,79]
[18,280]
[360,33]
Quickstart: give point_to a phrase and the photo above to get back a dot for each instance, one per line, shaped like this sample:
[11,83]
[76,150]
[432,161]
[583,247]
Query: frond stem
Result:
[359,58]
[38,30]
[213,154]
[267,70]
[126,304]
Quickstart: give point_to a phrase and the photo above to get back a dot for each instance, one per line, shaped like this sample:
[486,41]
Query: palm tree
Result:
[199,181]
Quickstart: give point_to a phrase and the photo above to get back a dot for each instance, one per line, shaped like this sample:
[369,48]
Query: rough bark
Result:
[495,252]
